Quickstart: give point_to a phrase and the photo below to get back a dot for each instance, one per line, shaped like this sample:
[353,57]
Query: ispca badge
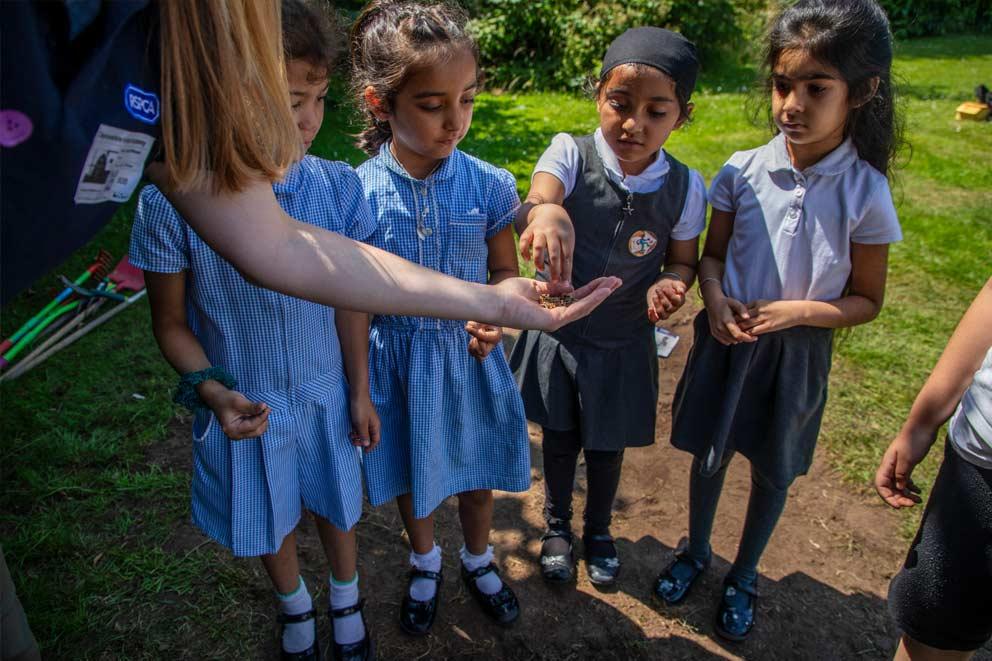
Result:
[141,105]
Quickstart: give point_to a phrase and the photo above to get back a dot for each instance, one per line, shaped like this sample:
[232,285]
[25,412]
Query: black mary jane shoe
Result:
[673,589]
[312,653]
[557,568]
[603,570]
[363,650]
[417,617]
[738,604]
[503,606]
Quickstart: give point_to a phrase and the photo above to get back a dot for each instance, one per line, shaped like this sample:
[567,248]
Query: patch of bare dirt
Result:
[823,578]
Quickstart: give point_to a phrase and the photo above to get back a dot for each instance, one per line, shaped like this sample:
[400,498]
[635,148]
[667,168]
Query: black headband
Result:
[662,49]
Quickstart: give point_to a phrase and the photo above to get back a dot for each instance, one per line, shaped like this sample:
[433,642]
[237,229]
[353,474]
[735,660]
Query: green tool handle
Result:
[33,333]
[29,324]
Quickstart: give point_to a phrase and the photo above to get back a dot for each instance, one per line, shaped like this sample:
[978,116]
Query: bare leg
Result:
[283,567]
[913,650]
[475,511]
[340,548]
[421,531]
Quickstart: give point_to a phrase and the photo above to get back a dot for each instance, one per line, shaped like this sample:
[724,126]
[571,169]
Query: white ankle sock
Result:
[489,583]
[350,628]
[297,636]
[424,589]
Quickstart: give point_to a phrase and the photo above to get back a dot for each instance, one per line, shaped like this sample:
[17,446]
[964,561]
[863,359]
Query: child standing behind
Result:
[797,246]
[637,212]
[452,421]
[267,368]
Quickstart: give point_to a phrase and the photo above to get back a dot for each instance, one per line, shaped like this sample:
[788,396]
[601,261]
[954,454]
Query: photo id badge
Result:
[665,341]
[113,165]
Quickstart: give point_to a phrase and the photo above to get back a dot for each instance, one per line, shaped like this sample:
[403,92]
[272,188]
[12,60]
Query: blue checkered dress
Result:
[283,351]
[449,423]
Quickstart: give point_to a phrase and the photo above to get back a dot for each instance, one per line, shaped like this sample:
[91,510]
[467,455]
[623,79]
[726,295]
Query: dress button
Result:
[428,231]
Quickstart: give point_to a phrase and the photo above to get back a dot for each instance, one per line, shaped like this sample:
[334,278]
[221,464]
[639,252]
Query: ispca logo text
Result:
[141,105]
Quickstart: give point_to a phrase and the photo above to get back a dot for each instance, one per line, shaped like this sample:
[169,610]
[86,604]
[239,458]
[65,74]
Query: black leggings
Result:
[561,452]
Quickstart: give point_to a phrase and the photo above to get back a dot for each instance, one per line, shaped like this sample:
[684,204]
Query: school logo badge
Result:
[141,105]
[642,242]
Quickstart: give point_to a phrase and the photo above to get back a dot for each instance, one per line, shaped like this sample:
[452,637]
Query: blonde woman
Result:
[196,90]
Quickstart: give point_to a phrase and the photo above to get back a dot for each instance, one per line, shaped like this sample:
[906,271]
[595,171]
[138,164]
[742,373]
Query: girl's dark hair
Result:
[595,86]
[852,36]
[310,32]
[390,40]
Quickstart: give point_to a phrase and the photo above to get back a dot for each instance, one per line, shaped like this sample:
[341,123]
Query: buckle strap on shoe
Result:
[482,571]
[684,556]
[338,613]
[554,533]
[741,586]
[598,538]
[425,573]
[285,618]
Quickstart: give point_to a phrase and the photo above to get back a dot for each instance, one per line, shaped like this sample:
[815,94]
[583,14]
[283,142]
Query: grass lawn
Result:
[94,568]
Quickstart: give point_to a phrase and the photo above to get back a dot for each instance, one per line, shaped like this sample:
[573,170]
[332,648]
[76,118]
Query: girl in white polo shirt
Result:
[797,246]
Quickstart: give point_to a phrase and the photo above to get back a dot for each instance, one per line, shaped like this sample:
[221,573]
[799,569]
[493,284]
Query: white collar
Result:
[658,168]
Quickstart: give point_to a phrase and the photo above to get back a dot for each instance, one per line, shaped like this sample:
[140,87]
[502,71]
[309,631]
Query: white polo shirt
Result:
[562,160]
[793,229]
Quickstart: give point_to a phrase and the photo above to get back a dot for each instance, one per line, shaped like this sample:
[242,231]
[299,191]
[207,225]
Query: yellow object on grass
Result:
[972,110]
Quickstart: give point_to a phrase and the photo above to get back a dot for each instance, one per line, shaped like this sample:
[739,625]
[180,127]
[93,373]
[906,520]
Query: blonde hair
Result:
[225,112]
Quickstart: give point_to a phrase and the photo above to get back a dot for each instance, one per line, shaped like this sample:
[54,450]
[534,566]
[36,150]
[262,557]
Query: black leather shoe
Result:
[673,586]
[557,568]
[363,650]
[603,569]
[416,617]
[735,616]
[503,606]
[312,653]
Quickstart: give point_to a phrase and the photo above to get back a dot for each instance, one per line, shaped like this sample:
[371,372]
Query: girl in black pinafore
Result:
[637,213]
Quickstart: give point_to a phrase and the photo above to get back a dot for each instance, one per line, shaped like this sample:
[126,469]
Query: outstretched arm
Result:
[273,250]
[936,402]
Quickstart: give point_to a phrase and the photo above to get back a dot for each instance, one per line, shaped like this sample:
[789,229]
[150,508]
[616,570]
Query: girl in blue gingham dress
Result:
[281,439]
[452,419]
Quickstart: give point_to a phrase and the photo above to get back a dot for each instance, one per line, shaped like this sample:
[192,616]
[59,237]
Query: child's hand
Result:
[239,417]
[664,298]
[723,313]
[893,480]
[485,338]
[365,423]
[769,316]
[550,237]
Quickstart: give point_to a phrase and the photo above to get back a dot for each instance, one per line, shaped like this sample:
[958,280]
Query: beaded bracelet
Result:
[186,394]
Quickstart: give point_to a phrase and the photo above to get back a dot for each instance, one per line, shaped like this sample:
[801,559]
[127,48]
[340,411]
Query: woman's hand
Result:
[770,316]
[239,417]
[365,425]
[550,240]
[664,298]
[520,297]
[893,479]
[484,338]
